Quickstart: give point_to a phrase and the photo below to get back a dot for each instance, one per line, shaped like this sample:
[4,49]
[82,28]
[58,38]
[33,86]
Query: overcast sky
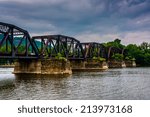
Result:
[86,20]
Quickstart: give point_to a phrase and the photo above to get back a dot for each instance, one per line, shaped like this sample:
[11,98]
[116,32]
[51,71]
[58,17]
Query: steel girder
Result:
[15,42]
[93,49]
[113,50]
[49,46]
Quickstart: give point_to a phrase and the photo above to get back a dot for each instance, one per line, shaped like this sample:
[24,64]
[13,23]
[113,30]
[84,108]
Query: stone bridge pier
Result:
[40,66]
[88,65]
[54,66]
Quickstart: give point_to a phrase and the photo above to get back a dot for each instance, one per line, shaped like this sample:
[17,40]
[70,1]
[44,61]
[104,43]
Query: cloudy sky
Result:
[86,20]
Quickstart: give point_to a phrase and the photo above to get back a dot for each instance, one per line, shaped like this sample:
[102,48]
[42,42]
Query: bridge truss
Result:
[15,42]
[93,49]
[113,50]
[49,46]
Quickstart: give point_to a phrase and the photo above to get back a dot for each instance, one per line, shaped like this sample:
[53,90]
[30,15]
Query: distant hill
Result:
[17,40]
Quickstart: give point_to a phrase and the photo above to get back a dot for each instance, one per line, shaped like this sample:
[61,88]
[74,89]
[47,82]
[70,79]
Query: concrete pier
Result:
[65,67]
[116,64]
[46,66]
[130,63]
[88,65]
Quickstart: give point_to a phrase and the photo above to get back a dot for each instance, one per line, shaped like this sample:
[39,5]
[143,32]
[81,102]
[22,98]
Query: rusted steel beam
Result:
[93,49]
[51,45]
[12,38]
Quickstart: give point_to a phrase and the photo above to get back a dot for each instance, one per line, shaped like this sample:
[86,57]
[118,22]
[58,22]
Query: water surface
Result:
[126,83]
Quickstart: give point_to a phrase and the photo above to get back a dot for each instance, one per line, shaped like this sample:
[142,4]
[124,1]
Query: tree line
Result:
[139,53]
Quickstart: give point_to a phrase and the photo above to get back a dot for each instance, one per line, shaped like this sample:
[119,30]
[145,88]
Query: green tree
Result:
[144,46]
[118,57]
[116,43]
[140,53]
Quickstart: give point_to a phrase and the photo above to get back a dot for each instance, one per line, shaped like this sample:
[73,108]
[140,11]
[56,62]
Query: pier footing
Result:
[130,63]
[116,64]
[47,66]
[88,66]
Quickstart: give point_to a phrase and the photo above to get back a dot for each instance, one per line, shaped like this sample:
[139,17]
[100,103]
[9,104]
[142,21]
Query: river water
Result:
[125,84]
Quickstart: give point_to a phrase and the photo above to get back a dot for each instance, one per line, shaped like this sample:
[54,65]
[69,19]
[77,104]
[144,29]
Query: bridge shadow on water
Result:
[7,84]
[40,76]
[41,86]
[32,86]
[11,81]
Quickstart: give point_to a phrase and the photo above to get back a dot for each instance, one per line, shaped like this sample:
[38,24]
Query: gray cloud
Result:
[105,18]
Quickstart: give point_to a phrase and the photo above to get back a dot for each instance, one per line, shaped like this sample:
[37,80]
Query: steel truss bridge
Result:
[16,43]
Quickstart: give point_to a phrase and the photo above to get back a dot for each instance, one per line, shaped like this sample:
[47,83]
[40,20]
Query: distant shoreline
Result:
[7,66]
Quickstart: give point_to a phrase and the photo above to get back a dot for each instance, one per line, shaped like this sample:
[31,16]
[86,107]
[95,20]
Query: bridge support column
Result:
[88,65]
[116,64]
[47,66]
[130,63]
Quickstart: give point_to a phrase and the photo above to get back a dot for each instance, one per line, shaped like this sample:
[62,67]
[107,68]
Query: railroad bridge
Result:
[32,52]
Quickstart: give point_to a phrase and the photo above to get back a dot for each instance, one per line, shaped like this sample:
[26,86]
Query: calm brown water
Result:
[126,83]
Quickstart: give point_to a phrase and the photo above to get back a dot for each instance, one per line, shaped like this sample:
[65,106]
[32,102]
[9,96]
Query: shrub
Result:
[99,59]
[130,58]
[60,57]
[118,57]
